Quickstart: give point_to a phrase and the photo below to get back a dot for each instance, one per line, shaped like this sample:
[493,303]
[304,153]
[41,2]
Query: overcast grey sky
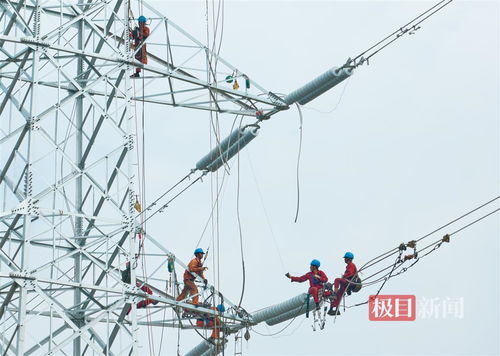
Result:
[413,143]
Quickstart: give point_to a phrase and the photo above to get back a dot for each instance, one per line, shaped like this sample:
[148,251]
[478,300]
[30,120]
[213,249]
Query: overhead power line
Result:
[409,28]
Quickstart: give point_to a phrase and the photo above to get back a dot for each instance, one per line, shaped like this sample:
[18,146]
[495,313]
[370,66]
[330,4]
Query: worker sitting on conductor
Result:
[316,280]
[341,284]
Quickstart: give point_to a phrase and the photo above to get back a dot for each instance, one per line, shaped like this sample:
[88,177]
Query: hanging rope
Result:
[298,161]
[162,329]
[240,232]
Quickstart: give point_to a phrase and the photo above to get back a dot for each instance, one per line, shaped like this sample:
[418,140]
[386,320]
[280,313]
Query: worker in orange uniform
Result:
[316,280]
[340,284]
[194,266]
[211,321]
[139,34]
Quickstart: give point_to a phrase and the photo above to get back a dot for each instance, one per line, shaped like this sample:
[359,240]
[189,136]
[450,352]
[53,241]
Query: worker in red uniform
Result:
[139,34]
[144,287]
[211,321]
[340,284]
[316,280]
[195,266]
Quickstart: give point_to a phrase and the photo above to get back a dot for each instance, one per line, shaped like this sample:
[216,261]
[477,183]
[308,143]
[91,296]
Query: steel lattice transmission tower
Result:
[68,177]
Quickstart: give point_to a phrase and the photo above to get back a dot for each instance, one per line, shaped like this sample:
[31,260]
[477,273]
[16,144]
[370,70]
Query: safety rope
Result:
[163,329]
[179,341]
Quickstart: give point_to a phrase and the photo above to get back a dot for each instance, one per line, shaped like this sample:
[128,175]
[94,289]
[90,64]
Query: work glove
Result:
[205,282]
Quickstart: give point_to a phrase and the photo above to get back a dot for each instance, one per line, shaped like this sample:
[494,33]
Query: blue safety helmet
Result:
[315,263]
[349,255]
[221,308]
[199,250]
[142,19]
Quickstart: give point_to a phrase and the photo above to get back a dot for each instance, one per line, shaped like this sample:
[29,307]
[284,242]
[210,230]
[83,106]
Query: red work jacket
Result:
[313,281]
[350,271]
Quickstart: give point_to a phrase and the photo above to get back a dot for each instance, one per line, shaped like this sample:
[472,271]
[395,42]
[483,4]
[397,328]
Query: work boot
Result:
[334,312]
[135,75]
